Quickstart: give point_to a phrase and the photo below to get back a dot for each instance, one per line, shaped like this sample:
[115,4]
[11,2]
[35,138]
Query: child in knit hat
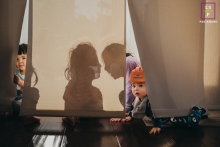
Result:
[141,106]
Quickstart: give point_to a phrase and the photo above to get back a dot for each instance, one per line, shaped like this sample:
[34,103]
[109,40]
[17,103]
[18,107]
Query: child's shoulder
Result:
[17,71]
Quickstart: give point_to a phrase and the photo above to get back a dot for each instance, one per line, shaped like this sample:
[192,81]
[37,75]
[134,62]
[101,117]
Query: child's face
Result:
[21,62]
[139,90]
[112,66]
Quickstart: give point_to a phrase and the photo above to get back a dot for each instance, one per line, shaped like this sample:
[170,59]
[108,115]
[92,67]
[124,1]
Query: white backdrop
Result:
[10,32]
[55,28]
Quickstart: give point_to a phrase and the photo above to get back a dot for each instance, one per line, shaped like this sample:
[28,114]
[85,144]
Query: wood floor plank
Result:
[211,136]
[183,137]
[17,141]
[94,125]
[78,139]
[50,128]
[18,134]
[100,132]
[94,132]
[103,139]
[136,133]
[47,141]
[91,139]
[128,139]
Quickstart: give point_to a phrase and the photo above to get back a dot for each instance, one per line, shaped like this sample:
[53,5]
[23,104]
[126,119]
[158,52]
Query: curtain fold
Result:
[170,42]
[212,60]
[11,18]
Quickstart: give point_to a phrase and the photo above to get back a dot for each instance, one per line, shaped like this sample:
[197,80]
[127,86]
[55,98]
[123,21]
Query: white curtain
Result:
[212,61]
[24,30]
[170,42]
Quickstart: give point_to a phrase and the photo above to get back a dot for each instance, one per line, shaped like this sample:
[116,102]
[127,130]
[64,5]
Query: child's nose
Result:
[20,60]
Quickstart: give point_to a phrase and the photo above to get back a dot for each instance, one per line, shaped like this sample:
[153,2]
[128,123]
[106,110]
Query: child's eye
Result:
[140,85]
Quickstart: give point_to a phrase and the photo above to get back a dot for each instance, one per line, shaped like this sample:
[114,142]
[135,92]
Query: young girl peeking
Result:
[82,69]
[141,106]
[19,81]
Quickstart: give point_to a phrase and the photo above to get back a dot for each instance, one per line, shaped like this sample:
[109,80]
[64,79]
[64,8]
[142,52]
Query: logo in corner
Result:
[208,11]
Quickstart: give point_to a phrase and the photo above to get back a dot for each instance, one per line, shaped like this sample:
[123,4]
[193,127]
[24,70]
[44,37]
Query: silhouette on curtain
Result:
[83,68]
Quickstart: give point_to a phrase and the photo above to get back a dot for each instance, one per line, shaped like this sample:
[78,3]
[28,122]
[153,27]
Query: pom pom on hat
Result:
[137,75]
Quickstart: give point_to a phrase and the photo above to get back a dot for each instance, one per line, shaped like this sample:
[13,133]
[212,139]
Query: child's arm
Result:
[156,121]
[18,81]
[157,126]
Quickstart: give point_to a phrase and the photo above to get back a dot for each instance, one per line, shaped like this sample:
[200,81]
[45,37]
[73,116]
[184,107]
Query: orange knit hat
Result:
[137,75]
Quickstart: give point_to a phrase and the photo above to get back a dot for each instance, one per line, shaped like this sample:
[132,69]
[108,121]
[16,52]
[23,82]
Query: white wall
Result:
[24,31]
[131,45]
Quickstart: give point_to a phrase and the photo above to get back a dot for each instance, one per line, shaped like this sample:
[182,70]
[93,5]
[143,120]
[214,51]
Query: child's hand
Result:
[127,118]
[116,119]
[16,79]
[155,130]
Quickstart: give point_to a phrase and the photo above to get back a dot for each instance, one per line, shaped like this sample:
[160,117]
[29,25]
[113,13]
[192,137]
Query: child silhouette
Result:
[82,69]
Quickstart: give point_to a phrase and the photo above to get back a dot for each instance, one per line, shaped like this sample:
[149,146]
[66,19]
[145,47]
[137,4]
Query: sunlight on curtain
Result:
[212,61]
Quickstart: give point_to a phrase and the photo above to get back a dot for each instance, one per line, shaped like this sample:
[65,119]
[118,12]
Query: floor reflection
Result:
[49,141]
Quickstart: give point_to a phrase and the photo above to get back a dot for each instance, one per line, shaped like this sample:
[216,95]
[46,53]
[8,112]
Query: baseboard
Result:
[213,107]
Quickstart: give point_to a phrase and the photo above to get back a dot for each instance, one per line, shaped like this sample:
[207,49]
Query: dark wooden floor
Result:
[99,132]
